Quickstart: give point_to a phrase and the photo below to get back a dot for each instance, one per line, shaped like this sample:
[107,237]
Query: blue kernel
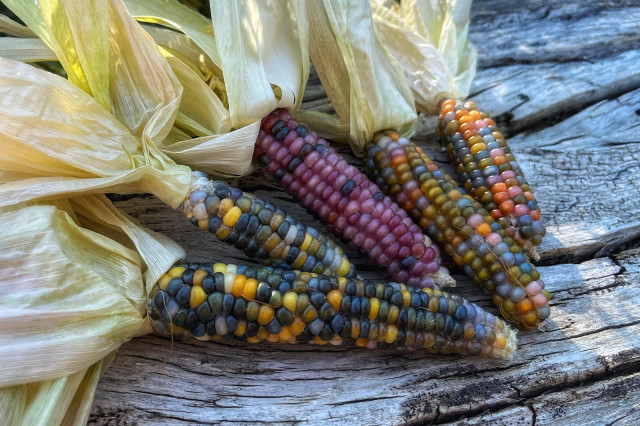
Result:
[302,130]
[278,126]
[199,330]
[480,333]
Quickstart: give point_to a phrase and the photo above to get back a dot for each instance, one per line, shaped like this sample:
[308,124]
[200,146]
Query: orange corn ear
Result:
[490,171]
[461,226]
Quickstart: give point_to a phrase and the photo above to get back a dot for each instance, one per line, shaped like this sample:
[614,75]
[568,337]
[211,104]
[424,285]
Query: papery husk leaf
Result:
[69,296]
[77,35]
[69,290]
[65,400]
[201,113]
[25,50]
[263,50]
[363,82]
[228,154]
[59,142]
[10,27]
[429,39]
[172,14]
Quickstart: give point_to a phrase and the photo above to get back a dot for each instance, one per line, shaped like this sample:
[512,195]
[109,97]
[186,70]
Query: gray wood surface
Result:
[562,79]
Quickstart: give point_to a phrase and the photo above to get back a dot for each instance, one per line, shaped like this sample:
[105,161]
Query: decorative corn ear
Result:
[348,203]
[490,171]
[217,301]
[262,230]
[468,233]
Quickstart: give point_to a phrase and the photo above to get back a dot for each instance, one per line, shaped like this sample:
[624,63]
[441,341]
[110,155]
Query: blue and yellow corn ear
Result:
[219,301]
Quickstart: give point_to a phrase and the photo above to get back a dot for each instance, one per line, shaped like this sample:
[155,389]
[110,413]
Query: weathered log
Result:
[562,79]
[594,335]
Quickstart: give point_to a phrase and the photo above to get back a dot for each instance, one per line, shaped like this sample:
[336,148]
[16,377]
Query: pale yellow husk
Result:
[253,56]
[429,40]
[73,288]
[363,81]
[80,267]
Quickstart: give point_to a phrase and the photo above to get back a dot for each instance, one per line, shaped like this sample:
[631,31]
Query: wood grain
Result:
[562,80]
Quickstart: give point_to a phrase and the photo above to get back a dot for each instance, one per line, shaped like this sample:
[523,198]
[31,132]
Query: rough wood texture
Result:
[562,79]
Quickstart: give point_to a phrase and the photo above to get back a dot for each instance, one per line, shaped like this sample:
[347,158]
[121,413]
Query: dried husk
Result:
[73,288]
[363,81]
[429,40]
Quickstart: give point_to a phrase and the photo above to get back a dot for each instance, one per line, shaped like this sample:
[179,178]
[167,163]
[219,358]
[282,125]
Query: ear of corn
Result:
[468,233]
[262,230]
[490,171]
[348,203]
[217,301]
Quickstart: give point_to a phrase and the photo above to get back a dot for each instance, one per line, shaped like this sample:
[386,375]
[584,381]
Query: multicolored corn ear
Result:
[465,230]
[217,301]
[490,171]
[349,204]
[262,230]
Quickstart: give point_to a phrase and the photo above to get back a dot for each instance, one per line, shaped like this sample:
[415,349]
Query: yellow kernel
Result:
[253,339]
[362,342]
[176,272]
[220,267]
[241,328]
[344,267]
[238,285]
[250,288]
[225,205]
[478,147]
[232,216]
[374,304]
[262,334]
[394,313]
[285,334]
[392,334]
[265,315]
[530,318]
[297,326]
[273,338]
[382,332]
[342,283]
[317,340]
[197,296]
[198,276]
[163,282]
[501,341]
[406,298]
[223,232]
[334,297]
[290,300]
[306,242]
[203,224]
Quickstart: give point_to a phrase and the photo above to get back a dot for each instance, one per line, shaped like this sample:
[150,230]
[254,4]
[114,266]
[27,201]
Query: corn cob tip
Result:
[443,278]
[255,304]
[532,252]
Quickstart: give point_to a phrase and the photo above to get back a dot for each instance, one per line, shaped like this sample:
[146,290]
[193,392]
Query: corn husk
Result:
[73,288]
[363,81]
[429,40]
[58,142]
[253,57]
